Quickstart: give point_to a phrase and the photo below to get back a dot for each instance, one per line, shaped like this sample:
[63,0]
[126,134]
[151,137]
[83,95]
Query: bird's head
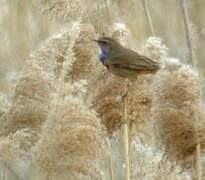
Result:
[107,43]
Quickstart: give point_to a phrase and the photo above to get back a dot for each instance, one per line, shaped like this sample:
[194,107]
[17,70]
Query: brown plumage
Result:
[122,61]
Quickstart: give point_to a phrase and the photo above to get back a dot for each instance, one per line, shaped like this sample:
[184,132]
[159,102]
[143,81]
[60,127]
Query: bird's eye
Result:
[104,42]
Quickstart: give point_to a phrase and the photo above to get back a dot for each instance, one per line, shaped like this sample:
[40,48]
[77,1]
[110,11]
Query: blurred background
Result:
[179,23]
[23,28]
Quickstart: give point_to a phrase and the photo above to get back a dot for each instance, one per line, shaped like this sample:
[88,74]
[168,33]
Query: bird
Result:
[122,61]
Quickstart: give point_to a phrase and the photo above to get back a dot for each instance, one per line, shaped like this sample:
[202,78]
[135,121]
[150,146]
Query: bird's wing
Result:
[131,60]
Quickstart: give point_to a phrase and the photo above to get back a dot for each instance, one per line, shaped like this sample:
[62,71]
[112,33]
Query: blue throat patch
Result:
[102,56]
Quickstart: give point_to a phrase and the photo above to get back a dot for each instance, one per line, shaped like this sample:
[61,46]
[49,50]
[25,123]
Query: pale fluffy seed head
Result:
[4,105]
[108,92]
[62,10]
[155,49]
[139,100]
[107,99]
[176,84]
[51,55]
[31,100]
[86,56]
[148,163]
[175,108]
[17,145]
[71,135]
[120,32]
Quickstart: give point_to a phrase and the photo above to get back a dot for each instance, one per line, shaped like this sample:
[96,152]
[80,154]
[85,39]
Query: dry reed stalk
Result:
[110,161]
[126,137]
[13,148]
[5,166]
[148,16]
[4,105]
[109,12]
[111,167]
[4,108]
[126,150]
[192,61]
[187,31]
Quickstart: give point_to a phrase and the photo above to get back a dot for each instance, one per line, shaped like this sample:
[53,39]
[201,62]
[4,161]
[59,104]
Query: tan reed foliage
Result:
[4,108]
[176,107]
[108,95]
[148,163]
[37,81]
[62,10]
[85,51]
[155,49]
[16,145]
[52,53]
[4,105]
[72,139]
[30,102]
[119,31]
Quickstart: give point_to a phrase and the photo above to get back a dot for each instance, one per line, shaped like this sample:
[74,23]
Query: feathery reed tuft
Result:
[120,32]
[62,10]
[38,79]
[176,108]
[108,95]
[16,145]
[148,163]
[72,139]
[30,103]
[85,51]
[155,49]
[108,99]
[4,105]
[53,53]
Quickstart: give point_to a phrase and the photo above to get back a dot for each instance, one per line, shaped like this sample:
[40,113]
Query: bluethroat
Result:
[122,61]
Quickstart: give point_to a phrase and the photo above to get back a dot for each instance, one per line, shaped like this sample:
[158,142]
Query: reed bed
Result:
[68,117]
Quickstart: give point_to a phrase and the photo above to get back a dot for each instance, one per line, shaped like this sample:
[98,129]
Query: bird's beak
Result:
[95,40]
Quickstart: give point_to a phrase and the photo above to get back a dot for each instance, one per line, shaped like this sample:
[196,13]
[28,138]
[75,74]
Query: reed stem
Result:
[193,62]
[126,142]
[5,171]
[126,146]
[111,166]
[187,31]
[148,16]
[109,12]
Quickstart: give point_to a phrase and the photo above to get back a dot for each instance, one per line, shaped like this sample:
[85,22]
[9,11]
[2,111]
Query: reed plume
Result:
[72,139]
[176,108]
[148,163]
[85,53]
[63,10]
[4,105]
[37,80]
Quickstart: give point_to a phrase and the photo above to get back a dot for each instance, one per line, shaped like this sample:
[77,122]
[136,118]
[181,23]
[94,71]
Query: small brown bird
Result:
[122,61]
